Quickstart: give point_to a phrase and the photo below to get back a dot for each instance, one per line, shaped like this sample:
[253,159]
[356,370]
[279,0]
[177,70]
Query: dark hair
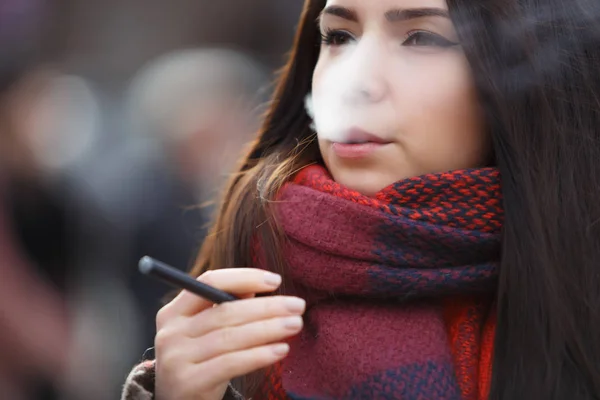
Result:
[535,64]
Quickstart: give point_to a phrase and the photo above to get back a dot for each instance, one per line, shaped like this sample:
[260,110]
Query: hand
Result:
[200,348]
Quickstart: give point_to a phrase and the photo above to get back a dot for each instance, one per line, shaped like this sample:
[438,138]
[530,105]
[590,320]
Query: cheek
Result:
[443,119]
[318,73]
[442,92]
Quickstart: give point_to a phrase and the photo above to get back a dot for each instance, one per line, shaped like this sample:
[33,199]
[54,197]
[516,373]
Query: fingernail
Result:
[272,279]
[281,349]
[295,305]
[293,323]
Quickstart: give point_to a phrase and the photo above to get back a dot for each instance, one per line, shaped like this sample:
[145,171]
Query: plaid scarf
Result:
[399,287]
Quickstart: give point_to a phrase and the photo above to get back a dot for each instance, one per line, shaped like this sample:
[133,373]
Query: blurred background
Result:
[118,119]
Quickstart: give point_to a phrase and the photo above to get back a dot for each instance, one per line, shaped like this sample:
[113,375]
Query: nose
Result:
[366,80]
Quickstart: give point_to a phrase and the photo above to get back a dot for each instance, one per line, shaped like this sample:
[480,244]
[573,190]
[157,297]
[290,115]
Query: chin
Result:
[365,182]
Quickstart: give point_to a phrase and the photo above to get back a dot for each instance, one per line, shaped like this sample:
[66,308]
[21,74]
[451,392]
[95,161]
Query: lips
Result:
[359,144]
[359,136]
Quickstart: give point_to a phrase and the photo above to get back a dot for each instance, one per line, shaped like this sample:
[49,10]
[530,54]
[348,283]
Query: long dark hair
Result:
[536,64]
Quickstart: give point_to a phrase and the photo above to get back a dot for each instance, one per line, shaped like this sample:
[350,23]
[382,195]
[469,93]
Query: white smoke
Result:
[341,100]
[330,117]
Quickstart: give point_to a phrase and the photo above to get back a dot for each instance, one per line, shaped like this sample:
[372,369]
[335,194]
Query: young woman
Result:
[441,225]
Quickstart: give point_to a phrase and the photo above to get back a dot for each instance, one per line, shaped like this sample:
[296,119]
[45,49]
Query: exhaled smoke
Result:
[308,104]
[330,117]
[342,100]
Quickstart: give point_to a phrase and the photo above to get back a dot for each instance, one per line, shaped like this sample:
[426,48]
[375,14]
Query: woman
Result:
[424,277]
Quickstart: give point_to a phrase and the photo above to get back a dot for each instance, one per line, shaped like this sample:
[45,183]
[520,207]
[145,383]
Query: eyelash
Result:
[439,41]
[331,37]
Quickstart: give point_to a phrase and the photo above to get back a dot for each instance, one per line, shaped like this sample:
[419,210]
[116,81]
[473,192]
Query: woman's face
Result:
[392,95]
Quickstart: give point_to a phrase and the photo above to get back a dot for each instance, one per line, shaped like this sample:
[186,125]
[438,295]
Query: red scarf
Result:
[399,287]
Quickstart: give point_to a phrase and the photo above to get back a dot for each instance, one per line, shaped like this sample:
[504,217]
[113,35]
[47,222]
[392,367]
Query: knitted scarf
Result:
[399,287]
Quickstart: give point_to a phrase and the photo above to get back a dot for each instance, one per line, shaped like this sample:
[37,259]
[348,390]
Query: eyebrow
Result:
[395,15]
[413,13]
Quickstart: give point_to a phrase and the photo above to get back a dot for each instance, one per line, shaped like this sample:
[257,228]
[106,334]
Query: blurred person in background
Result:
[32,260]
[198,108]
[191,112]
[34,328]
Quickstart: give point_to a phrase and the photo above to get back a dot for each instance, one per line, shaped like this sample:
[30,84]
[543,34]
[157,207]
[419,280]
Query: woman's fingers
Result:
[237,281]
[234,339]
[231,365]
[237,313]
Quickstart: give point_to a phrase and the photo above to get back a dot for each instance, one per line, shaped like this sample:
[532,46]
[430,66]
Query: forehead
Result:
[381,6]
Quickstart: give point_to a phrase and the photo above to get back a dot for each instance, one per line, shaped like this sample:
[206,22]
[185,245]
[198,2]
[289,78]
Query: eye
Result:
[336,38]
[424,38]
